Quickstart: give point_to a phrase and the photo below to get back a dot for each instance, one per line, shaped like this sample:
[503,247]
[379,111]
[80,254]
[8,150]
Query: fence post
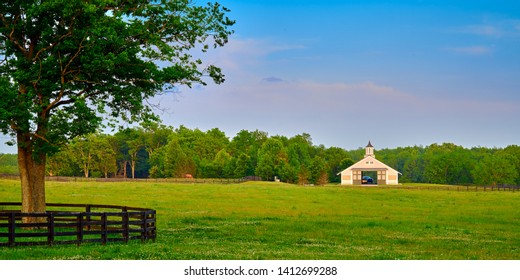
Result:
[143,226]
[12,228]
[50,228]
[151,234]
[104,228]
[88,210]
[80,224]
[126,226]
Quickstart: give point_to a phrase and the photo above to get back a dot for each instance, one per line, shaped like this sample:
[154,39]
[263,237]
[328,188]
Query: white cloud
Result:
[242,53]
[502,28]
[472,50]
[480,29]
[273,80]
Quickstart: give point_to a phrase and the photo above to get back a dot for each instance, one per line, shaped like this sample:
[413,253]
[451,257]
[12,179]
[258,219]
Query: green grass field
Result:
[258,220]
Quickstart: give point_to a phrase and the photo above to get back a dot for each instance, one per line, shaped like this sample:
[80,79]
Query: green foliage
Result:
[318,171]
[271,159]
[498,169]
[440,164]
[337,160]
[514,152]
[171,161]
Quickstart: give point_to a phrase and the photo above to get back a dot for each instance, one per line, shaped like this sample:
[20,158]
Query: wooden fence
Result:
[449,188]
[156,180]
[85,223]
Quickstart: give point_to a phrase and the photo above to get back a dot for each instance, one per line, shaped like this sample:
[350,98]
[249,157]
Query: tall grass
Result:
[277,221]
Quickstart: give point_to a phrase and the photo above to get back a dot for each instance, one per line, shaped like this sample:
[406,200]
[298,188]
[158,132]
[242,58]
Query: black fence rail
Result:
[75,224]
[156,180]
[491,188]
[451,188]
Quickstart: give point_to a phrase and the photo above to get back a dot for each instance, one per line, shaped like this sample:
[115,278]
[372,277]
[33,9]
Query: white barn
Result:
[353,175]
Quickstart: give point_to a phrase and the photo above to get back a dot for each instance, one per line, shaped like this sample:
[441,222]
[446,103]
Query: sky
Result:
[396,73]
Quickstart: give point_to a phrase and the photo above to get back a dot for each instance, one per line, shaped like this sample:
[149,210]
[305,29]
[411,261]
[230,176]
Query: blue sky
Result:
[398,73]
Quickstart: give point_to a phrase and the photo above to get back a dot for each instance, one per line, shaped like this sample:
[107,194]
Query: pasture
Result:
[260,220]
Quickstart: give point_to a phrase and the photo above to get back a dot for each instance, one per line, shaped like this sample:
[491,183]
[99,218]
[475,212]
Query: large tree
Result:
[66,65]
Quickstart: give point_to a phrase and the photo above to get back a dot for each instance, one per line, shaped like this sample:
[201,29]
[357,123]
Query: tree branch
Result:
[55,43]
[64,72]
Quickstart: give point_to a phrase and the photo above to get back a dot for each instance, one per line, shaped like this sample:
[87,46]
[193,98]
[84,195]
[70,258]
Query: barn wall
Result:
[346,178]
[392,178]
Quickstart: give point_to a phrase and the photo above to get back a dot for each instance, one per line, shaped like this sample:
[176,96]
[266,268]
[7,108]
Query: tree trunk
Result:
[133,168]
[85,170]
[124,168]
[32,176]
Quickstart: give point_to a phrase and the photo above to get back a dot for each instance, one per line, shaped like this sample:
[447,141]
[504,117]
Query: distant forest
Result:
[158,151]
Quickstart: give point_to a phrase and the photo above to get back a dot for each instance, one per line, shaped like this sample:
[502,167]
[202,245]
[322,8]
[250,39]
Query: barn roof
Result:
[369,163]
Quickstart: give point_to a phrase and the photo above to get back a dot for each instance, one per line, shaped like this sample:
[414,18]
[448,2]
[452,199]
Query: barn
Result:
[369,170]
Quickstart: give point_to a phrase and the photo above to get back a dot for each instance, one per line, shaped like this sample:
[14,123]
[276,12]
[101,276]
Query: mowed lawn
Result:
[259,220]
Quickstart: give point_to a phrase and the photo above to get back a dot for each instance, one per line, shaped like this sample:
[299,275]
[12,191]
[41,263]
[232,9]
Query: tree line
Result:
[154,150]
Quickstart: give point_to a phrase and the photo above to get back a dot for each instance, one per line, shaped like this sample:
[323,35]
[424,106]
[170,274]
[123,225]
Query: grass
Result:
[258,220]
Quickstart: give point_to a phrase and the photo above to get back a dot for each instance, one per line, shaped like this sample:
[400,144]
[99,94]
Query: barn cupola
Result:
[369,150]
